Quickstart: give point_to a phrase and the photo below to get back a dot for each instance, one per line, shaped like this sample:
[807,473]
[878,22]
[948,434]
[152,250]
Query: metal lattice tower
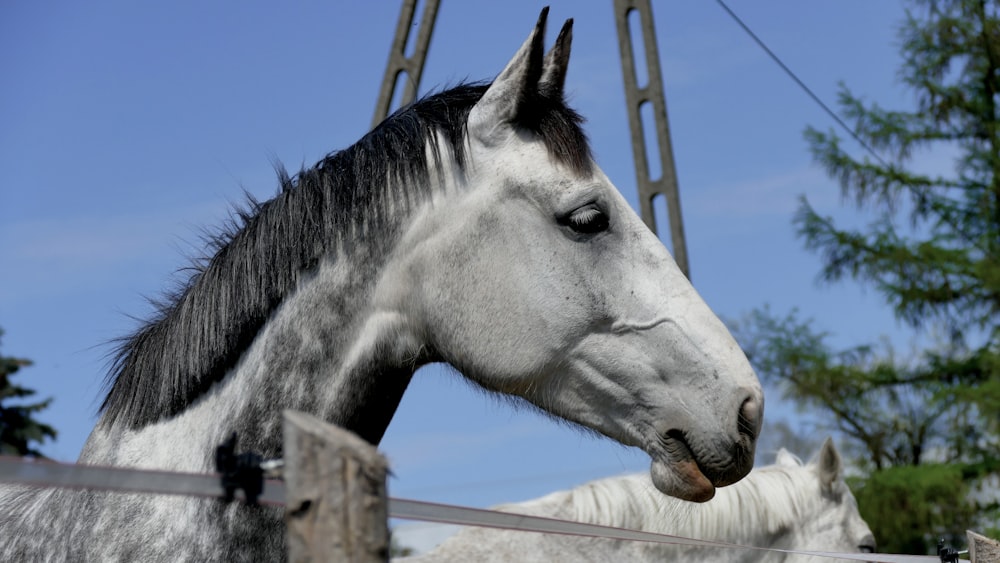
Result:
[399,65]
[636,96]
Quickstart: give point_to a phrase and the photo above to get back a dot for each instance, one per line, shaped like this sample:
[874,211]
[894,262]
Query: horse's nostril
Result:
[751,416]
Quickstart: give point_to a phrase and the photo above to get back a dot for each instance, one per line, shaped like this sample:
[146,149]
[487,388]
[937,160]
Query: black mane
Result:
[200,330]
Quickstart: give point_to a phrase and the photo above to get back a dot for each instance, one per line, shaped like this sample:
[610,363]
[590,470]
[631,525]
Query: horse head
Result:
[535,278]
[830,520]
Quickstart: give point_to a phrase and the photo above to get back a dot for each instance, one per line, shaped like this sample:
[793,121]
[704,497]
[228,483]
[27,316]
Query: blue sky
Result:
[126,127]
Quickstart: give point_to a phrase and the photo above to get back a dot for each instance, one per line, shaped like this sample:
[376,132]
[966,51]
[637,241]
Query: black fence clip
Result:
[239,471]
[947,554]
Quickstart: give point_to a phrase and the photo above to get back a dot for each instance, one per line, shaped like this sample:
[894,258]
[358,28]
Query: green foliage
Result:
[18,428]
[943,262]
[933,248]
[926,424]
[893,410]
[908,508]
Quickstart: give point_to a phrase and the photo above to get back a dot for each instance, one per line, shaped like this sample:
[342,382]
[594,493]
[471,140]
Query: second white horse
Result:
[788,505]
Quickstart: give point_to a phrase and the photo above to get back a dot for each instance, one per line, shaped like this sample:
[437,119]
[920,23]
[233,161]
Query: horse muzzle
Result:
[691,470]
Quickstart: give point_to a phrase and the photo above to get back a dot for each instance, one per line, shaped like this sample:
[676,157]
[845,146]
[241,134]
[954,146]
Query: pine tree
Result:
[932,251]
[18,429]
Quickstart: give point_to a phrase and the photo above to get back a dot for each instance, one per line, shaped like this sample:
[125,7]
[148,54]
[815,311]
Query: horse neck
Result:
[326,350]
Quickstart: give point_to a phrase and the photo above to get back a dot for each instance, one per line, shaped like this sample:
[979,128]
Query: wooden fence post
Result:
[336,506]
[982,549]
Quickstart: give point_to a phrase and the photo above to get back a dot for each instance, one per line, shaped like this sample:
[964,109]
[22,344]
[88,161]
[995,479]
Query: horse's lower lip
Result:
[677,472]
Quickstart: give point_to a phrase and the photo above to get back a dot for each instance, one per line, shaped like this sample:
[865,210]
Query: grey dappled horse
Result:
[787,505]
[472,228]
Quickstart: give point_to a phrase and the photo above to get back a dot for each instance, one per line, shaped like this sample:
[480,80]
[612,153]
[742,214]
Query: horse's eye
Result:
[866,548]
[587,220]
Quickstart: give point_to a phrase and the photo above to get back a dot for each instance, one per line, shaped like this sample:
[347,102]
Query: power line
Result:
[801,84]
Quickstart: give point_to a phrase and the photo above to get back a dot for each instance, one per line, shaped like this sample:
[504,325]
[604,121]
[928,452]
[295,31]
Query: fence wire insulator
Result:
[947,554]
[273,468]
[239,471]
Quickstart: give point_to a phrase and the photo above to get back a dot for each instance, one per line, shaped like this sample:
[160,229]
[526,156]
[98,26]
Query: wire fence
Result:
[38,473]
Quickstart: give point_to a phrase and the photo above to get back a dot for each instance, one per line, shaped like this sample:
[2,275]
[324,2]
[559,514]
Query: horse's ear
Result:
[556,62]
[786,458]
[514,87]
[828,463]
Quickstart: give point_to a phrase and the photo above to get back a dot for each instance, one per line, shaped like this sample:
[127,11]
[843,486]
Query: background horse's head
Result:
[532,276]
[825,512]
[785,506]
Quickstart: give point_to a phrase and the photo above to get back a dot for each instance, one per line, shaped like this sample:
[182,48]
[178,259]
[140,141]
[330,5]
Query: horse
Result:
[472,228]
[788,505]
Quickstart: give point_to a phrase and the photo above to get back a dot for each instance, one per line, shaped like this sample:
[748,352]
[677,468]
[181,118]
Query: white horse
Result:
[473,228]
[783,506]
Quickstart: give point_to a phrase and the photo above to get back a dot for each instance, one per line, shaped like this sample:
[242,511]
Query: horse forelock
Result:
[560,128]
[199,331]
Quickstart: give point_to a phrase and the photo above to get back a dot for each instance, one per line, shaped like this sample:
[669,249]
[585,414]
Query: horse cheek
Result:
[476,294]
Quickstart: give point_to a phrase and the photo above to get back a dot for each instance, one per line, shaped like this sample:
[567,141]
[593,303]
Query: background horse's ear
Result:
[786,458]
[828,463]
[555,64]
[515,86]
